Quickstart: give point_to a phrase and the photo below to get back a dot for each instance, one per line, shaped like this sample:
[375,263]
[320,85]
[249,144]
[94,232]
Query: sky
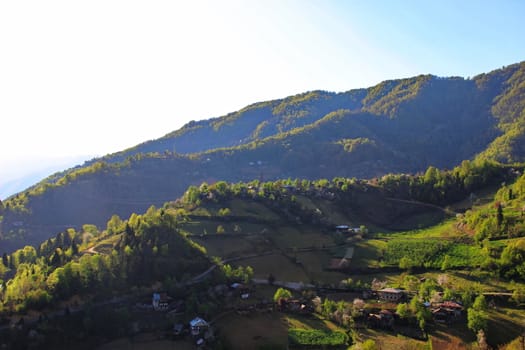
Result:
[80,79]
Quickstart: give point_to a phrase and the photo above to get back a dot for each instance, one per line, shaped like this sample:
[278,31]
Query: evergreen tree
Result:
[499,215]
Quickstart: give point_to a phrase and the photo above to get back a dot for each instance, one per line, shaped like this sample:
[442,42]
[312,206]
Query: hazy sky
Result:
[93,77]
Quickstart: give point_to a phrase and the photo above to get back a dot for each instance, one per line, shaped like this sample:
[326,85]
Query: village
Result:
[200,315]
[368,308]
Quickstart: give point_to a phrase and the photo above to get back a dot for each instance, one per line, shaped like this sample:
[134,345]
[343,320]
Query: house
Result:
[198,326]
[242,290]
[236,285]
[296,306]
[160,301]
[391,294]
[447,312]
[452,305]
[342,228]
[383,319]
[441,315]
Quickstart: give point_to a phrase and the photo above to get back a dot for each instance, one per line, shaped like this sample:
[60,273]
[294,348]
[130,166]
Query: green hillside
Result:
[442,235]
[398,126]
[224,220]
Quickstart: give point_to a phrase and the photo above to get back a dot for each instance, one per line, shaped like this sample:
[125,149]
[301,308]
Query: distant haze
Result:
[34,169]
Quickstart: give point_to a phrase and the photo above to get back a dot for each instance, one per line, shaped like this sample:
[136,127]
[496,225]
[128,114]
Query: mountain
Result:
[397,126]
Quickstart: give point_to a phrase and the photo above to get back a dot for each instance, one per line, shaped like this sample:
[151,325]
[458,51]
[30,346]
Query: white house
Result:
[198,325]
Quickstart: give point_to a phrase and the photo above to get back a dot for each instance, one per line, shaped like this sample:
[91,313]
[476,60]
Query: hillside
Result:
[398,126]
[330,239]
[230,220]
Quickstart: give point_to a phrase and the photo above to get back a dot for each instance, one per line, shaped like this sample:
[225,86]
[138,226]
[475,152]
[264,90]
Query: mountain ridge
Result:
[397,126]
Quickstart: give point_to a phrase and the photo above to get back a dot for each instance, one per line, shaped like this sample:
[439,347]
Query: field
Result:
[252,209]
[388,341]
[257,331]
[268,330]
[314,263]
[210,227]
[368,253]
[308,268]
[292,237]
[505,325]
[315,337]
[226,247]
[281,267]
[445,229]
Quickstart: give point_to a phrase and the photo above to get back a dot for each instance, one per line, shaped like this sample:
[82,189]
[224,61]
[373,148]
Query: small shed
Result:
[198,326]
[160,301]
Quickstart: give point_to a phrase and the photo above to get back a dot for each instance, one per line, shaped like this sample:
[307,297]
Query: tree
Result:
[88,228]
[446,263]
[248,274]
[422,322]
[431,175]
[480,303]
[466,297]
[518,295]
[192,195]
[74,248]
[282,293]
[448,294]
[329,307]
[220,229]
[476,320]
[405,263]
[482,340]
[427,288]
[369,344]
[402,310]
[415,305]
[410,282]
[114,225]
[222,188]
[224,212]
[499,215]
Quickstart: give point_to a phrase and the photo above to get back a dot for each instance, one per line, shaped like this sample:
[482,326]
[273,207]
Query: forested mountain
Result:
[398,126]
